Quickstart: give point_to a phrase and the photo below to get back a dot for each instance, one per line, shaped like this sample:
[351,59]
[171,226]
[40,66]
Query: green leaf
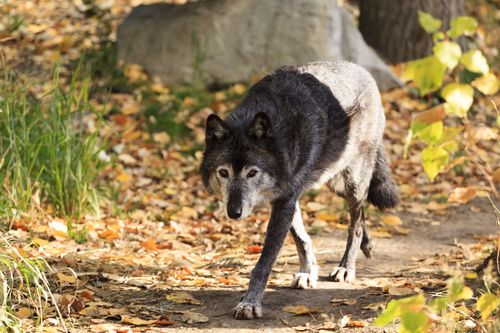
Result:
[486,304]
[457,290]
[438,304]
[396,308]
[458,97]
[448,53]
[427,74]
[415,322]
[434,160]
[475,62]
[429,133]
[429,23]
[462,25]
[488,84]
[438,36]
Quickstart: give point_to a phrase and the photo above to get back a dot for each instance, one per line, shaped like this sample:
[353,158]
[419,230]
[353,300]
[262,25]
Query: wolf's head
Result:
[239,163]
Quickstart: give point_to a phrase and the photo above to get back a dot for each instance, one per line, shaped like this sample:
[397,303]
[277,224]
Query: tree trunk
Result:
[392,28]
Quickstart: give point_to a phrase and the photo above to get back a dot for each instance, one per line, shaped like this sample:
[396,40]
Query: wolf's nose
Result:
[234,212]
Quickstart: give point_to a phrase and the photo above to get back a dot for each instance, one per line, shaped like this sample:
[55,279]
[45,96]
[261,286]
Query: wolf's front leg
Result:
[307,277]
[346,271]
[281,218]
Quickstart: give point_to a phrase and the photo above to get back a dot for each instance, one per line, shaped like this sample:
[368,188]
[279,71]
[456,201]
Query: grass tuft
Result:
[47,156]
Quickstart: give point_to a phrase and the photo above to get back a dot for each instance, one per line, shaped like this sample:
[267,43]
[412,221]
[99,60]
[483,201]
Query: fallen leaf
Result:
[375,306]
[161,137]
[63,278]
[182,297]
[23,313]
[136,321]
[356,323]
[254,249]
[391,220]
[400,291]
[348,301]
[194,317]
[150,244]
[299,309]
[462,195]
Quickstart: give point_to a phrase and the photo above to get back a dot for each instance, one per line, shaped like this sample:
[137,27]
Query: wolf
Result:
[297,128]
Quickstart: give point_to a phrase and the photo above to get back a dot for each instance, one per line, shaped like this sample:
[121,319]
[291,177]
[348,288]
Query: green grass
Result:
[23,285]
[46,154]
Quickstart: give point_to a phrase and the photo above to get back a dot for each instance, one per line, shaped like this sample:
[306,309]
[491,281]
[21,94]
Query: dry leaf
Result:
[63,278]
[182,297]
[462,195]
[299,309]
[348,301]
[150,244]
[23,313]
[194,317]
[136,321]
[254,249]
[161,137]
[391,220]
[400,291]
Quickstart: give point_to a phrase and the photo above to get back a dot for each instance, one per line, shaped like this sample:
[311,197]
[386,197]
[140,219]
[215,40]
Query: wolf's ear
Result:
[215,128]
[261,126]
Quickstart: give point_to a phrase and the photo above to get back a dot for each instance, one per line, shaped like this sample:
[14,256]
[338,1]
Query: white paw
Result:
[342,274]
[245,310]
[303,280]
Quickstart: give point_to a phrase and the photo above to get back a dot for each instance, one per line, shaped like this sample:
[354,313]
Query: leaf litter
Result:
[163,231]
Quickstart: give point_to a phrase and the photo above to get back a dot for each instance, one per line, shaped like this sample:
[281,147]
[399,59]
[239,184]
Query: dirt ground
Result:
[417,259]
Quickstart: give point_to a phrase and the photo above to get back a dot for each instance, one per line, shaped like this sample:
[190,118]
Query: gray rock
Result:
[228,41]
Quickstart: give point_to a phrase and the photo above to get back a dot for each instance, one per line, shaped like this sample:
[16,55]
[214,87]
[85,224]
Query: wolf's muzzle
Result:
[234,204]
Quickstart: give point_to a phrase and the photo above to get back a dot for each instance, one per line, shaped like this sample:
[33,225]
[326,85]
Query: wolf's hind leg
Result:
[308,274]
[366,242]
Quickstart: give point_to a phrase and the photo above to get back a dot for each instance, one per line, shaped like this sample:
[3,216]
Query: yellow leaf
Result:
[136,321]
[299,309]
[130,106]
[475,62]
[161,137]
[486,304]
[63,278]
[488,84]
[182,297]
[462,195]
[239,88]
[194,317]
[380,233]
[135,73]
[391,220]
[328,217]
[448,53]
[400,291]
[23,313]
[459,98]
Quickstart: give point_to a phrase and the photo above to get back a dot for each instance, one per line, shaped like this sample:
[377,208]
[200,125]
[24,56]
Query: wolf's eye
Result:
[251,173]
[223,173]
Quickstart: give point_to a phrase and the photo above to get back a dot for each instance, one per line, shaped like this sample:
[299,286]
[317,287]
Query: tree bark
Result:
[392,28]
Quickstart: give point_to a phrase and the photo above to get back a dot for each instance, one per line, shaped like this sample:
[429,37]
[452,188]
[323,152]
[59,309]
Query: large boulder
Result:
[228,41]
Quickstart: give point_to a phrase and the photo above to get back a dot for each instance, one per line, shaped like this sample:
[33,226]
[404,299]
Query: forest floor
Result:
[162,256]
[122,285]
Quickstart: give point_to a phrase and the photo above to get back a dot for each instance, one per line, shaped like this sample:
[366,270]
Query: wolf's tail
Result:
[382,192]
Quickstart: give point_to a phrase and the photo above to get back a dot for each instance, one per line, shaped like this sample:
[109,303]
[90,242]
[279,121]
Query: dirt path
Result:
[415,259]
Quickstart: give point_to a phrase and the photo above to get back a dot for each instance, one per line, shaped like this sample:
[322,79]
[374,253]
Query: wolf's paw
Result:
[367,248]
[303,280]
[342,274]
[245,310]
